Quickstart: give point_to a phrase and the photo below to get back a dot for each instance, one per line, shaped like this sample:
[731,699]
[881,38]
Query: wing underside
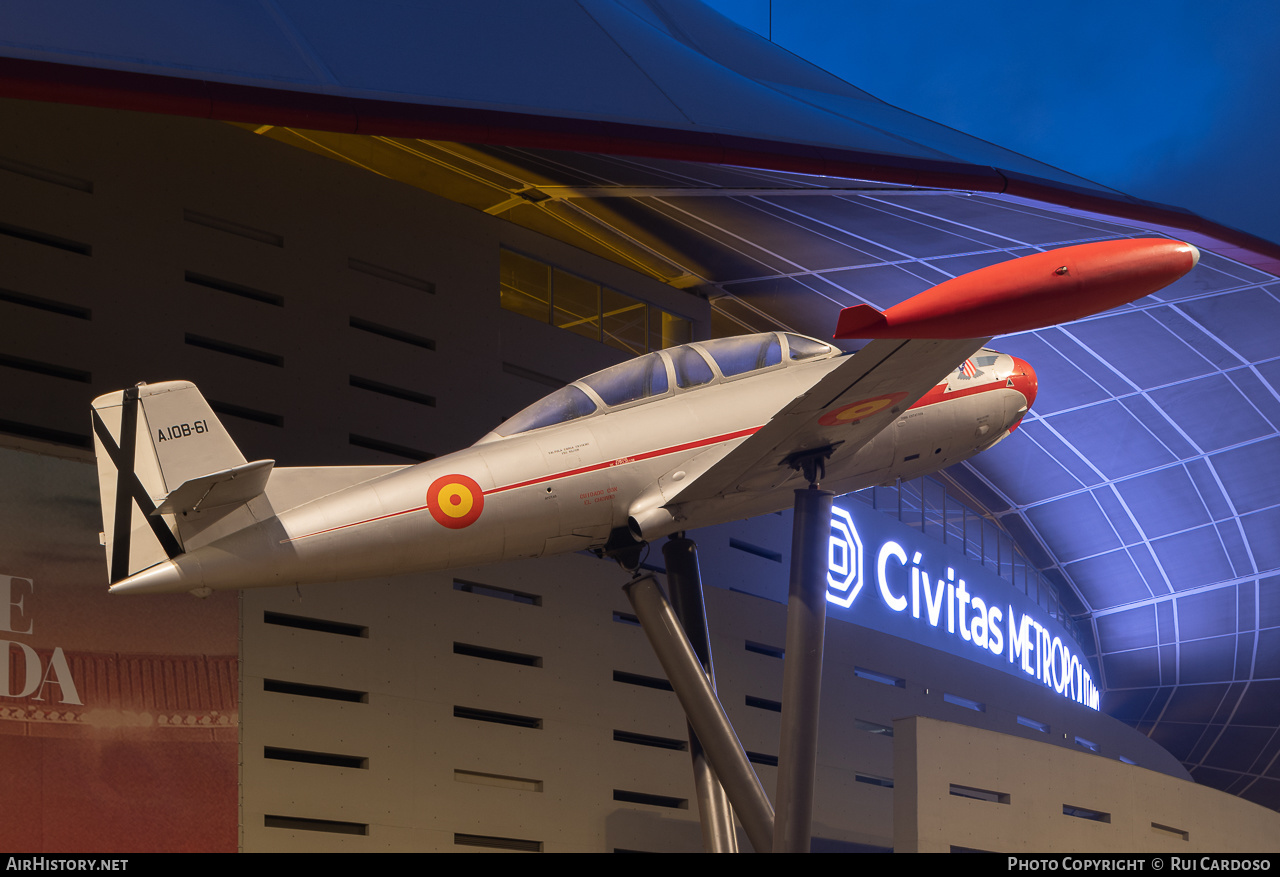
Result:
[842,412]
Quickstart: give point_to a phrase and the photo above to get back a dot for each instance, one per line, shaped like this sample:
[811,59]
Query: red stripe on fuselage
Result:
[421,508]
[568,473]
[648,455]
[935,395]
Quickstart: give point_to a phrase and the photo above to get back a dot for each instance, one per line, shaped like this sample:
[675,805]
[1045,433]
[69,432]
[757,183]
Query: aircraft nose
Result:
[1024,380]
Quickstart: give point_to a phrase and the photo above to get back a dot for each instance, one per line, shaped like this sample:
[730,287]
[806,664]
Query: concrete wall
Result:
[105,217]
[967,788]
[557,785]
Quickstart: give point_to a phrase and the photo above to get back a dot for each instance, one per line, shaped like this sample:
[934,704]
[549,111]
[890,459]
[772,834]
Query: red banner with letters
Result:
[118,715]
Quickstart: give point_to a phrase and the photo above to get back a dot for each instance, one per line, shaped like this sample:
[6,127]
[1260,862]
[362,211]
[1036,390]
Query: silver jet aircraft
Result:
[677,439]
[674,440]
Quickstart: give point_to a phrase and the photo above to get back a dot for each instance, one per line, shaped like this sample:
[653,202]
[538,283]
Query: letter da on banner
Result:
[15,618]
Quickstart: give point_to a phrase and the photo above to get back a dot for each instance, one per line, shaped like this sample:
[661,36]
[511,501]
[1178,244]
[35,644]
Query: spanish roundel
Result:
[856,411]
[455,501]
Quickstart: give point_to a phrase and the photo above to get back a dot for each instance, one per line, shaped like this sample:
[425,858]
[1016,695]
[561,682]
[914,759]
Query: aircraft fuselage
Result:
[568,487]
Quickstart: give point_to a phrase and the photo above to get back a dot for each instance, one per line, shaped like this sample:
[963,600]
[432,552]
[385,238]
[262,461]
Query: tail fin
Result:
[162,453]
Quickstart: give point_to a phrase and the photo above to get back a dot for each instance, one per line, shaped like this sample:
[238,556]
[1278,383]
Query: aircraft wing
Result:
[844,410]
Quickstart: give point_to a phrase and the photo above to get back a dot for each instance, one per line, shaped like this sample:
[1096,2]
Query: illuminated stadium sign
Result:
[885,575]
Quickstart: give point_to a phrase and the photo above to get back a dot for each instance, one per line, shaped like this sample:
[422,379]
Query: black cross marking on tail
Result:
[129,488]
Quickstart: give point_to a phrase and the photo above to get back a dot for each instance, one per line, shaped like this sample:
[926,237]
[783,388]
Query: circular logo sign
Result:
[856,411]
[455,501]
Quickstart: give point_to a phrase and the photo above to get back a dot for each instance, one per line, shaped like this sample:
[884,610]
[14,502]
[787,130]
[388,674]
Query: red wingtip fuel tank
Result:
[1035,291]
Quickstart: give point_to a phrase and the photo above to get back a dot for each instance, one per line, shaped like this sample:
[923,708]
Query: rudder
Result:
[151,440]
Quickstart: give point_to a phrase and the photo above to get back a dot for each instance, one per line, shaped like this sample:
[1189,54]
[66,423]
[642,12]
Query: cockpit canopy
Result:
[673,370]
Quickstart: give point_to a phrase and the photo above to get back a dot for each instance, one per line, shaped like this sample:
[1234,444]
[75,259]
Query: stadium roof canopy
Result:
[659,134]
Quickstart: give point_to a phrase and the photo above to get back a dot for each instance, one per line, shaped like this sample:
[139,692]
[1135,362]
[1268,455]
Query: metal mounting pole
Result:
[684,580]
[802,667]
[703,709]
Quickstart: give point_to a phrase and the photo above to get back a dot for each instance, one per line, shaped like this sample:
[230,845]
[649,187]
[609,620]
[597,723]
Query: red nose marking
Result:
[1024,380]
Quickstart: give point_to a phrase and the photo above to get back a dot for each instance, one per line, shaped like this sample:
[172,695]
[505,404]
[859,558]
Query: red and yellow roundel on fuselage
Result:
[858,410]
[455,501]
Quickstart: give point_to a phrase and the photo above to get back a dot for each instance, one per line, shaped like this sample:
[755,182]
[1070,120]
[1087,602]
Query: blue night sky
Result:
[1175,102]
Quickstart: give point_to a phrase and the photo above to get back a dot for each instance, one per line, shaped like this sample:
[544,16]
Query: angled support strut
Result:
[684,580]
[703,710]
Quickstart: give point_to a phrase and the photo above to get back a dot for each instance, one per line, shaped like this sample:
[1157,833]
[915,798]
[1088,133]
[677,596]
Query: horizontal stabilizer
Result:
[233,486]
